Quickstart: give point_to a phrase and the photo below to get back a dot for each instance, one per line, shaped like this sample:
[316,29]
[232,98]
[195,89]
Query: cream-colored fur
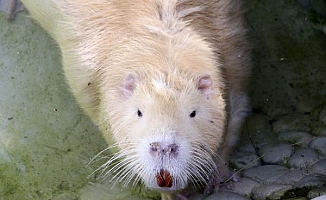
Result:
[165,59]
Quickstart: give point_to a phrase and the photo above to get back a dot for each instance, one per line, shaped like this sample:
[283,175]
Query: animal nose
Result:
[159,148]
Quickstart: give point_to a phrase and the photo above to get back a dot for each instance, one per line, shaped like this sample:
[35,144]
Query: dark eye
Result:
[193,114]
[139,113]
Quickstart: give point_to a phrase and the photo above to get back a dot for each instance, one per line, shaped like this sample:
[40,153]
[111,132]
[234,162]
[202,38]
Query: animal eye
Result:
[139,113]
[193,114]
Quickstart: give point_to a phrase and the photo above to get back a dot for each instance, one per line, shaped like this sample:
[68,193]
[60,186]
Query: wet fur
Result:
[120,56]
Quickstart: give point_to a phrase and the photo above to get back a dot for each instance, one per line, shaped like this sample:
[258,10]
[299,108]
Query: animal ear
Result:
[129,85]
[204,85]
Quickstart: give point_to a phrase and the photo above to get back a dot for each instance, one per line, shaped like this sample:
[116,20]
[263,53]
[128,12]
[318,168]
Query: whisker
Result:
[118,166]
[127,170]
[138,177]
[202,165]
[130,176]
[97,155]
[113,158]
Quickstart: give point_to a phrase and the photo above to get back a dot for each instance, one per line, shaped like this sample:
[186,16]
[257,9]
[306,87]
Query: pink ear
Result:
[205,85]
[129,86]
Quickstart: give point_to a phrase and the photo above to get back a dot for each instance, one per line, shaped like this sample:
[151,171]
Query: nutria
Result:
[165,81]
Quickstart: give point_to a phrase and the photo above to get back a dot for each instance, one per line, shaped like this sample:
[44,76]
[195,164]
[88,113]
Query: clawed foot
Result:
[11,7]
[229,181]
[224,178]
[176,196]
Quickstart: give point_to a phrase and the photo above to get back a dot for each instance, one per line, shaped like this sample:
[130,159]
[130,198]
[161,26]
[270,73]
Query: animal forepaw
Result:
[11,7]
[176,196]
[223,179]
[228,182]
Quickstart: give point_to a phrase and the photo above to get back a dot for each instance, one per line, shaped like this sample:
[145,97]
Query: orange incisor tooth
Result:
[168,179]
[164,179]
[160,179]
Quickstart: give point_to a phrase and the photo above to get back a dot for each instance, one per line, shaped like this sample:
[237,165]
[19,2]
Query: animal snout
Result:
[159,148]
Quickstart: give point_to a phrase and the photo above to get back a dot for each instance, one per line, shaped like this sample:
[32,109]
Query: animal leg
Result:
[11,7]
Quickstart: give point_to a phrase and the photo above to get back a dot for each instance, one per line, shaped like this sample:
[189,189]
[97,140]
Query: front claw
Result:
[11,7]
[224,178]
[175,196]
[229,181]
[211,186]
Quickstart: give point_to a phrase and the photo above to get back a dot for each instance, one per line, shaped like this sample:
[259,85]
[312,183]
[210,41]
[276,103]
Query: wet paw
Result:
[225,178]
[228,182]
[11,7]
[183,195]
